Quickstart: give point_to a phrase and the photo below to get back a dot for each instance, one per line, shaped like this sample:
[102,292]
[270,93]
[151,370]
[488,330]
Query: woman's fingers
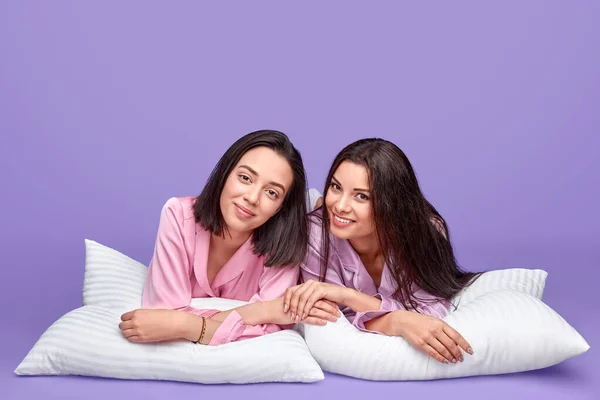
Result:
[303,299]
[295,299]
[441,349]
[126,325]
[299,300]
[434,353]
[328,307]
[288,297]
[457,338]
[324,315]
[135,339]
[434,336]
[331,303]
[314,321]
[129,333]
[451,345]
[127,316]
[310,302]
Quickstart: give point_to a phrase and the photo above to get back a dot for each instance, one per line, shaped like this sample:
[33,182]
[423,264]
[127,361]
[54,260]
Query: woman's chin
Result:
[235,226]
[341,232]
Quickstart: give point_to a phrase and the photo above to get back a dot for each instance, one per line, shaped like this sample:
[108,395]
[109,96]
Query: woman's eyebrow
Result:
[355,189]
[253,171]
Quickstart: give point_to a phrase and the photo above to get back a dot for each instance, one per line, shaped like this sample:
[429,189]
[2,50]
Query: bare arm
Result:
[268,312]
[265,312]
[191,328]
[360,302]
[382,324]
[429,334]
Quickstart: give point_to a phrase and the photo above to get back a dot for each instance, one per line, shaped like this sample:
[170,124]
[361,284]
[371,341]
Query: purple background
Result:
[107,110]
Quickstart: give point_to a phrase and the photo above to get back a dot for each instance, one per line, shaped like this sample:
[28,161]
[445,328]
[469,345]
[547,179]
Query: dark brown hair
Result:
[283,239]
[413,236]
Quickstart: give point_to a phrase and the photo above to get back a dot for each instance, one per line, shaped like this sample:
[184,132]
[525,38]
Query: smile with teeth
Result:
[342,220]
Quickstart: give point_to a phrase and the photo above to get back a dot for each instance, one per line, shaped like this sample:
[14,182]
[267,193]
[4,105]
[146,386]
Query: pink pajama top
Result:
[178,273]
[345,268]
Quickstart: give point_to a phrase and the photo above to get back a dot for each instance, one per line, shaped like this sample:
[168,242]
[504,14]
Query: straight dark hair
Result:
[283,239]
[413,236]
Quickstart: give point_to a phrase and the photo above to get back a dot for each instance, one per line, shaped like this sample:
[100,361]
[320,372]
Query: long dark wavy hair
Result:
[413,236]
[283,238]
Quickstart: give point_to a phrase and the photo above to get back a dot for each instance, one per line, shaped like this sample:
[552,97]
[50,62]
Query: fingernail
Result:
[454,361]
[445,361]
[470,351]
[297,318]
[293,316]
[285,308]
[461,358]
[303,315]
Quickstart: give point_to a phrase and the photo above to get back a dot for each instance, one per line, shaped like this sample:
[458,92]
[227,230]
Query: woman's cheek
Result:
[271,209]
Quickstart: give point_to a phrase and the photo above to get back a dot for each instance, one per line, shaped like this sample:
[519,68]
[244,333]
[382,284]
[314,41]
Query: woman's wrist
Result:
[383,324]
[396,321]
[347,295]
[189,326]
[360,302]
[258,313]
[274,314]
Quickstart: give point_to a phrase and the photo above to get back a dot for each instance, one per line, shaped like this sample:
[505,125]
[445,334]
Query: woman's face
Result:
[255,189]
[348,202]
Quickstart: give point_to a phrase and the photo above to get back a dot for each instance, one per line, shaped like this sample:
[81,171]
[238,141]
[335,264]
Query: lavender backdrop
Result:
[108,109]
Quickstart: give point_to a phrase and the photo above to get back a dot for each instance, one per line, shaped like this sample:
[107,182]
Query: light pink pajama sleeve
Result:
[168,284]
[272,285]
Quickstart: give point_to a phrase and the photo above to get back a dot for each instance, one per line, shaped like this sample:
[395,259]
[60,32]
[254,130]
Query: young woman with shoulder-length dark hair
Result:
[383,252]
[242,238]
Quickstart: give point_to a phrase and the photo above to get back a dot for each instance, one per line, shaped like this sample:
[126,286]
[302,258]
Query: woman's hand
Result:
[300,299]
[152,325]
[322,312]
[431,335]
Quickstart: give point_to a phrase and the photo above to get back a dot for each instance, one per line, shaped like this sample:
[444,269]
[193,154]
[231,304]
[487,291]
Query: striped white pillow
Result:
[510,331]
[87,340]
[528,281]
[111,278]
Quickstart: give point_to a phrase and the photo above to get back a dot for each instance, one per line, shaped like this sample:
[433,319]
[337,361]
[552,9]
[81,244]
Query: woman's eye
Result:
[362,196]
[335,186]
[245,177]
[273,193]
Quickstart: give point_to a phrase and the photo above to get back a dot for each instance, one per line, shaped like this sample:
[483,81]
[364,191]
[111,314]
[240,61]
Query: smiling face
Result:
[255,189]
[348,202]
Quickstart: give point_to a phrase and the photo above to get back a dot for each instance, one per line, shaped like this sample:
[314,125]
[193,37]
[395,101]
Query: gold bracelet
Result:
[203,331]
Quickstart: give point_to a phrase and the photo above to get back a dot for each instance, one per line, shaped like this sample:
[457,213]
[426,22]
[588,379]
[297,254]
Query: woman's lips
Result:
[243,211]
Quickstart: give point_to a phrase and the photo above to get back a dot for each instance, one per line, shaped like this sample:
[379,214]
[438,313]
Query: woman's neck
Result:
[231,240]
[369,251]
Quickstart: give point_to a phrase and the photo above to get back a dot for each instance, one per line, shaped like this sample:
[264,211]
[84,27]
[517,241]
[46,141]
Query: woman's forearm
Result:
[191,328]
[220,316]
[360,302]
[266,312]
[382,324]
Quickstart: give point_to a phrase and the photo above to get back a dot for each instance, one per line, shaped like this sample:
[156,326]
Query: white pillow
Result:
[510,332]
[87,340]
[111,278]
[528,281]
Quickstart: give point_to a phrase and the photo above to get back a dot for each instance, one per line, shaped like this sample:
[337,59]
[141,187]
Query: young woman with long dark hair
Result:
[380,250]
[242,238]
